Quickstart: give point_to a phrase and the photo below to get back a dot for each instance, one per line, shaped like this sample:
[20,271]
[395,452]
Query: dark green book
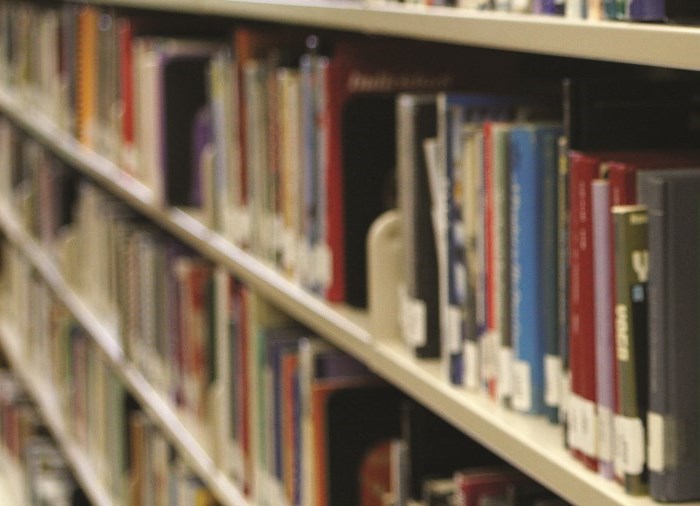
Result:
[631,250]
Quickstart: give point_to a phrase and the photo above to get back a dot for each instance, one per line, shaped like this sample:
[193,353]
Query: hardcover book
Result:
[631,254]
[533,155]
[416,121]
[674,412]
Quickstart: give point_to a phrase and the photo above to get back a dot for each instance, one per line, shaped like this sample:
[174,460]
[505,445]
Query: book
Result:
[674,458]
[581,417]
[498,353]
[604,338]
[533,157]
[631,247]
[416,121]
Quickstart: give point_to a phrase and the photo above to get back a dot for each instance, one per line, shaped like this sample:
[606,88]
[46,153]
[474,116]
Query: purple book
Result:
[604,347]
[647,10]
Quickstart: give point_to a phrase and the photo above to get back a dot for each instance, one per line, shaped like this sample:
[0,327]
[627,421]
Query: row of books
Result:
[280,139]
[289,417]
[33,466]
[673,11]
[130,457]
[508,257]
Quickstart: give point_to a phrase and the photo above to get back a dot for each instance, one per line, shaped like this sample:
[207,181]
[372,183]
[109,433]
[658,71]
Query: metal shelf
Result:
[673,46]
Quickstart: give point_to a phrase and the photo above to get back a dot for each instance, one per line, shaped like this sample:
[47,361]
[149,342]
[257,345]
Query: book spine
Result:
[647,10]
[533,165]
[674,412]
[582,414]
[605,395]
[631,340]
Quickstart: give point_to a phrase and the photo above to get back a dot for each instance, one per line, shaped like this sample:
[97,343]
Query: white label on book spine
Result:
[454,329]
[552,380]
[572,425]
[605,434]
[522,386]
[505,372]
[619,457]
[588,426]
[471,365]
[413,319]
[323,264]
[655,426]
[631,448]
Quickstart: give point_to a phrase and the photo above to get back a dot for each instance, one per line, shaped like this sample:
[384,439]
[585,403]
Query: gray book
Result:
[673,201]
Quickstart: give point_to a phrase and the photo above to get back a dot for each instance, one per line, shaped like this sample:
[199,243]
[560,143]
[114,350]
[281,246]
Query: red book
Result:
[583,169]
[126,84]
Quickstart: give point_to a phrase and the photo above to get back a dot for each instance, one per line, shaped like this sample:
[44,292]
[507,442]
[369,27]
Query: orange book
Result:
[87,77]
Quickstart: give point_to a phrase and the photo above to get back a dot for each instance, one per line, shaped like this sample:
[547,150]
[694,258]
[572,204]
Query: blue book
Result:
[533,151]
[455,112]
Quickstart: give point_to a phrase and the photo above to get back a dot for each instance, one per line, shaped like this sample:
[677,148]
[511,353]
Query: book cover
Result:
[631,254]
[674,413]
[416,121]
[533,156]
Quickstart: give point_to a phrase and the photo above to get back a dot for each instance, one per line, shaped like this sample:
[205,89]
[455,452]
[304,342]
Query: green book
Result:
[631,252]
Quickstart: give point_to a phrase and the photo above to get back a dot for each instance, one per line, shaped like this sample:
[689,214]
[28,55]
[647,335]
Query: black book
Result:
[673,201]
[417,121]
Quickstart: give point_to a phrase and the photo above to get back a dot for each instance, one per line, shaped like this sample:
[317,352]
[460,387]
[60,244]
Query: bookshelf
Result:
[46,403]
[529,443]
[521,438]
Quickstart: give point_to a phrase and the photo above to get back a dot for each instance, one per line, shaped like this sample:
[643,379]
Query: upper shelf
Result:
[661,45]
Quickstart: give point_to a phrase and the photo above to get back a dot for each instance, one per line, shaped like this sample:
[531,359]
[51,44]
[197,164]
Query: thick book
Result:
[534,166]
[417,121]
[674,411]
[631,253]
